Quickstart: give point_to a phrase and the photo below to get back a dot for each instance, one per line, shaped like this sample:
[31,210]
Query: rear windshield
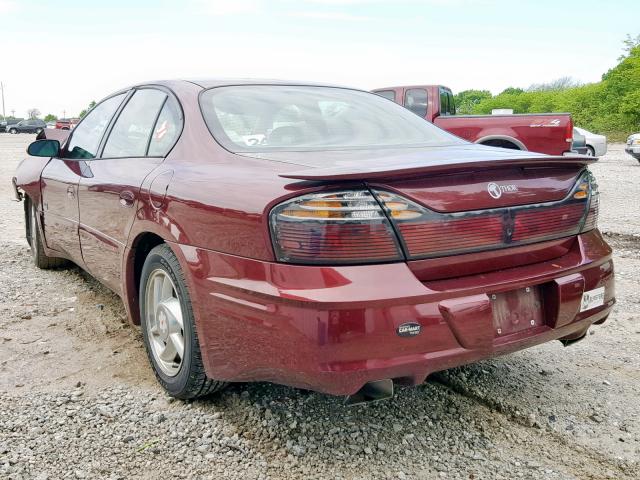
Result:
[254,118]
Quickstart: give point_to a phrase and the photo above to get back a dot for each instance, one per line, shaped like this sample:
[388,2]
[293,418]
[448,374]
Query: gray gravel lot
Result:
[78,399]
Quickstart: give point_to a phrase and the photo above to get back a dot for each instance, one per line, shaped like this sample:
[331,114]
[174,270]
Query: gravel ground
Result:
[78,400]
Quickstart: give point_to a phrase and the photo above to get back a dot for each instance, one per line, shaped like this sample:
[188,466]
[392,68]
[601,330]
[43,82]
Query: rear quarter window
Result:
[167,129]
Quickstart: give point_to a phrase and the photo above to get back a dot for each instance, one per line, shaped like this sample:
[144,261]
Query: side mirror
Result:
[44,148]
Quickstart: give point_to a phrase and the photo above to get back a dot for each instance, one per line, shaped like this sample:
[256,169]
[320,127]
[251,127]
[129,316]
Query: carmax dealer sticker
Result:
[592,299]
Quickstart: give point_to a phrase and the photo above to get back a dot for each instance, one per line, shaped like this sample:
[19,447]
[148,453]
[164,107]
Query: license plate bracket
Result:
[517,310]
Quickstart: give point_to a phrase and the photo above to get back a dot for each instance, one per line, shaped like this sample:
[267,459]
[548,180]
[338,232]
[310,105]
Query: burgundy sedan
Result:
[314,236]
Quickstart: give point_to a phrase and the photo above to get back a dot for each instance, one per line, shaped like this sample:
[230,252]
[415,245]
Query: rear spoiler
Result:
[382,170]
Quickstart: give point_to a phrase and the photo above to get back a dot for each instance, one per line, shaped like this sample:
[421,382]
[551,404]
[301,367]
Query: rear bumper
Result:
[332,329]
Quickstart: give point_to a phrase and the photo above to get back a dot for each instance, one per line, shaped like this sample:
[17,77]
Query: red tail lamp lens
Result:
[451,235]
[338,228]
[548,222]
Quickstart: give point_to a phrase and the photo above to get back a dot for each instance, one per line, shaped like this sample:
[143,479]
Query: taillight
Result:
[362,226]
[591,221]
[569,131]
[346,227]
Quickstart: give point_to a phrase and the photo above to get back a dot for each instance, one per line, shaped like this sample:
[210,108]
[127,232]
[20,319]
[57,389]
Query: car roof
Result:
[224,82]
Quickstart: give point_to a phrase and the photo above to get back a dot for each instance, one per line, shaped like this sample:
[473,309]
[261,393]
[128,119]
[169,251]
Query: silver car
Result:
[596,144]
[633,146]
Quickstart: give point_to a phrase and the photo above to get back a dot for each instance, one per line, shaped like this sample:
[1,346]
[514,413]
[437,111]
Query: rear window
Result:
[252,118]
[416,100]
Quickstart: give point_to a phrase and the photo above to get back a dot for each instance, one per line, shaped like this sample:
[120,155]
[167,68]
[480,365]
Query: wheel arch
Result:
[136,254]
[494,140]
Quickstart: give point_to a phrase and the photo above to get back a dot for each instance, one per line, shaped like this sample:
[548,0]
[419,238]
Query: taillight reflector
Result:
[452,234]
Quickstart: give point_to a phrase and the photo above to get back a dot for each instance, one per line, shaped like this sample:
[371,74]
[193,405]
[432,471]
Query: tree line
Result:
[610,106]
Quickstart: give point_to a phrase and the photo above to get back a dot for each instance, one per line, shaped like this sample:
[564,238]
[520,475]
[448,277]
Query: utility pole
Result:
[2,89]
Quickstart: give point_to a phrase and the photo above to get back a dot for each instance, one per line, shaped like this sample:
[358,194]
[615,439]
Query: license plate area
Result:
[517,310]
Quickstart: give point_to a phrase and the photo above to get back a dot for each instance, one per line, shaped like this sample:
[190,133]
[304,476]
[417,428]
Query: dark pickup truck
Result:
[550,133]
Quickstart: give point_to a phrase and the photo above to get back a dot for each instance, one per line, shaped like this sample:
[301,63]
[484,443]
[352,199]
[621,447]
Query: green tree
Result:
[84,112]
[512,91]
[467,99]
[629,44]
[50,117]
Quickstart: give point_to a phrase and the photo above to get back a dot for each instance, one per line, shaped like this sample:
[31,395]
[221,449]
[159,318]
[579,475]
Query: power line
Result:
[2,89]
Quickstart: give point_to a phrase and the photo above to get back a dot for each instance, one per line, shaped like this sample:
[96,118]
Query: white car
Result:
[633,146]
[596,144]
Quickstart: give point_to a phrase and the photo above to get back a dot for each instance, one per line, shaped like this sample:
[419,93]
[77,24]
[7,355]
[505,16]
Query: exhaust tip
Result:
[371,392]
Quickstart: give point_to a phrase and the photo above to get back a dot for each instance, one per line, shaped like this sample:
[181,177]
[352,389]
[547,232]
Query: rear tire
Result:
[13,131]
[168,328]
[32,224]
[590,152]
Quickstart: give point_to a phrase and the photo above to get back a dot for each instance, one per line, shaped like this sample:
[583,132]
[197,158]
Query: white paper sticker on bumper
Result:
[592,299]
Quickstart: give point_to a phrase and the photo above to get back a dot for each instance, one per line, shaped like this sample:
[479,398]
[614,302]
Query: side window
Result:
[167,129]
[452,103]
[447,104]
[388,94]
[130,134]
[87,135]
[415,99]
[444,102]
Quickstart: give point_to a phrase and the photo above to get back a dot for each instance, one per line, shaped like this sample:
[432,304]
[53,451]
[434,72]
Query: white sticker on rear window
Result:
[592,299]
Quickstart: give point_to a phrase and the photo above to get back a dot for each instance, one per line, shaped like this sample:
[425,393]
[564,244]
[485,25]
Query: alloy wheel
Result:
[165,322]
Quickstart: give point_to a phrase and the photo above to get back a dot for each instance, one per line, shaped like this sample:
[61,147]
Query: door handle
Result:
[71,192]
[127,198]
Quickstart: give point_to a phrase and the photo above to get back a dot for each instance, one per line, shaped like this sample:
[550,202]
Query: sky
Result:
[58,55]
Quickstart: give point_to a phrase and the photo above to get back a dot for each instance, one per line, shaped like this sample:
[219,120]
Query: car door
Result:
[60,178]
[108,198]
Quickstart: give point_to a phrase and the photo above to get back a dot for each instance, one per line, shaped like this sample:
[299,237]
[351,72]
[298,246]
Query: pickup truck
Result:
[550,133]
[66,123]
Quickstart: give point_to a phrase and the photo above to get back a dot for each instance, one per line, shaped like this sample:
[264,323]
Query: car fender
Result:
[27,177]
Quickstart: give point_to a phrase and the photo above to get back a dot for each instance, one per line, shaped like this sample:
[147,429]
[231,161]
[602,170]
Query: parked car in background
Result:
[633,146]
[596,144]
[51,124]
[579,144]
[66,123]
[550,133]
[5,122]
[315,236]
[31,125]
